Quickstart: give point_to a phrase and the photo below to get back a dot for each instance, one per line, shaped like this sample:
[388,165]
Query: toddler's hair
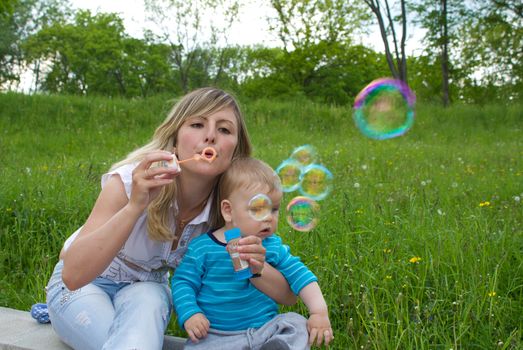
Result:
[246,173]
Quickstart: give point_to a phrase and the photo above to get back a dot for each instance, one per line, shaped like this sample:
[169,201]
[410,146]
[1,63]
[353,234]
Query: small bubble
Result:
[302,213]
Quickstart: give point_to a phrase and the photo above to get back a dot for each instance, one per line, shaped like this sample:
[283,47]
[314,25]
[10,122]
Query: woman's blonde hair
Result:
[201,102]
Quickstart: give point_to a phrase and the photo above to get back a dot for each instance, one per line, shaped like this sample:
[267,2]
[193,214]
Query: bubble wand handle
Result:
[195,157]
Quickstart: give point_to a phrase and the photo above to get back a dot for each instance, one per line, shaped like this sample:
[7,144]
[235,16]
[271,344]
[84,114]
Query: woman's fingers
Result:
[148,179]
[252,251]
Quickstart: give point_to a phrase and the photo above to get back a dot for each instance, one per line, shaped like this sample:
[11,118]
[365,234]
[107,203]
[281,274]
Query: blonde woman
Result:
[110,288]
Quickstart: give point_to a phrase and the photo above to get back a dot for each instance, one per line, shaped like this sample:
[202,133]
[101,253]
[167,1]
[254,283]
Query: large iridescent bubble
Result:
[305,154]
[384,109]
[289,172]
[302,213]
[260,207]
[315,182]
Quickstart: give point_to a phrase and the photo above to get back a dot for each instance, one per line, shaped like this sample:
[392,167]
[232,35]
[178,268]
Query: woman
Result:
[110,288]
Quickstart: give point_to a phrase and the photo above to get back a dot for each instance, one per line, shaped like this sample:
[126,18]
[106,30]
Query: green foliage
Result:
[333,74]
[83,57]
[9,53]
[80,53]
[18,20]
[193,31]
[418,246]
[494,47]
[317,57]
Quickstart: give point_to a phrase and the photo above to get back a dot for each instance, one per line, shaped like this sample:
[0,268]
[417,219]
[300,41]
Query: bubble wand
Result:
[208,154]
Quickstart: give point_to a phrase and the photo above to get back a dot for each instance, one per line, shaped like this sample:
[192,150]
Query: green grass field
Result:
[419,246]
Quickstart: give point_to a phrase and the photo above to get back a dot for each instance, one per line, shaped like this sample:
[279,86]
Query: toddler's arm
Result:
[197,327]
[318,324]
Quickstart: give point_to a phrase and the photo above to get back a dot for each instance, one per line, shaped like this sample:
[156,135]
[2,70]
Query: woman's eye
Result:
[225,131]
[196,125]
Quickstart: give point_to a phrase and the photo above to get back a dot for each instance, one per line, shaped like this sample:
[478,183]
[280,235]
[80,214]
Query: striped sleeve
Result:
[187,281]
[297,274]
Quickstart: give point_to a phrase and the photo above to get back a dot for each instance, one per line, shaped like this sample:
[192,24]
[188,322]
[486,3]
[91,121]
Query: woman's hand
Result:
[252,251]
[148,181]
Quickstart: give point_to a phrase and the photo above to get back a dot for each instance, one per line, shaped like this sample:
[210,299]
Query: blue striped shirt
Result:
[204,282]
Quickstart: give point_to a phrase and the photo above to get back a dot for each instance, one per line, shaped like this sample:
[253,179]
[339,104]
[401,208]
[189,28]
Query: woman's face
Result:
[219,131]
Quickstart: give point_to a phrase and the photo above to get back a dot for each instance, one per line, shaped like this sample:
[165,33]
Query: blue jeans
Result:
[109,315]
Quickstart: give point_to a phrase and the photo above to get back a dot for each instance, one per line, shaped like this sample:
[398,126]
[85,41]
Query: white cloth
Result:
[142,259]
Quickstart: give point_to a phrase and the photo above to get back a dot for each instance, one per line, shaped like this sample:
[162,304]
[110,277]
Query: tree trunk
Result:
[445,54]
[396,60]
[403,63]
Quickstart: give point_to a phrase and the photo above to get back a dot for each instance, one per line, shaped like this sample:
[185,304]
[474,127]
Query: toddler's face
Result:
[242,218]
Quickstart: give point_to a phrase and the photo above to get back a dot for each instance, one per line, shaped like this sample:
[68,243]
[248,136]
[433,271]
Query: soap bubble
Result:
[315,182]
[302,213]
[260,207]
[384,109]
[289,172]
[305,154]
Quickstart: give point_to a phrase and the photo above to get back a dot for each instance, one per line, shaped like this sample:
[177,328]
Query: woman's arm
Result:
[271,282]
[102,236]
[111,222]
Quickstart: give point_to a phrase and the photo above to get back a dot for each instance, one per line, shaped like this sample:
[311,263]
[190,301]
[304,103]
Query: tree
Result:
[314,34]
[189,38]
[145,69]
[10,54]
[18,20]
[442,20]
[7,7]
[493,50]
[81,57]
[396,59]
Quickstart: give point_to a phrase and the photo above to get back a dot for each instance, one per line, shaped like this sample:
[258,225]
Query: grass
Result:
[419,246]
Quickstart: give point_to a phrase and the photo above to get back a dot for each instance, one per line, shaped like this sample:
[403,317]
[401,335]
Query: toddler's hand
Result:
[319,328]
[197,327]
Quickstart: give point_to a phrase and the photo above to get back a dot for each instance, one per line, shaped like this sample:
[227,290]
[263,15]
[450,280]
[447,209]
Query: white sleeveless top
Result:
[142,259]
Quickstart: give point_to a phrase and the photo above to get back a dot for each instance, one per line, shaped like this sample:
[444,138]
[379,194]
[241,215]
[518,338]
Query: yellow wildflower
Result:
[415,259]
[492,294]
[484,204]
[387,250]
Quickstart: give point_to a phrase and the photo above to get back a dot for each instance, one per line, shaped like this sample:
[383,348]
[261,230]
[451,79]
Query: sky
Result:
[249,30]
